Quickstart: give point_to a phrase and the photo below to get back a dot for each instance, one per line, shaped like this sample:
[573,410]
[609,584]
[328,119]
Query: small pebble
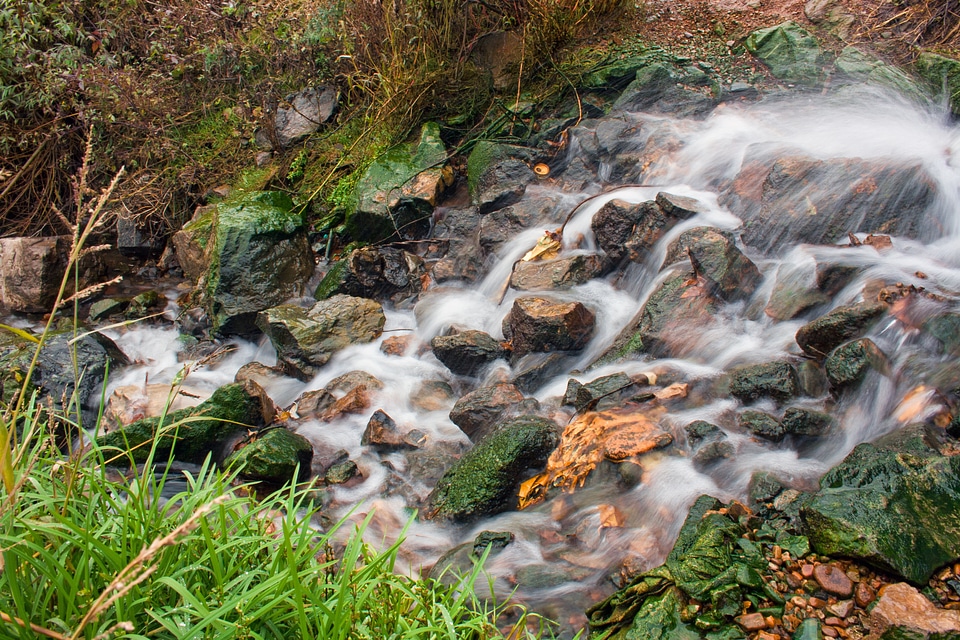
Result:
[752,621]
[830,632]
[807,570]
[865,594]
[817,603]
[841,609]
[833,621]
[833,580]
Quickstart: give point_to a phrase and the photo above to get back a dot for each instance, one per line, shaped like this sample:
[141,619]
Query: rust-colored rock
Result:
[864,595]
[903,607]
[833,580]
[752,622]
[541,325]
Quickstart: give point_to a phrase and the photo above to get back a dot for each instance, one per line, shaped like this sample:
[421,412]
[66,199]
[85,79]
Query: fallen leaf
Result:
[547,247]
[610,516]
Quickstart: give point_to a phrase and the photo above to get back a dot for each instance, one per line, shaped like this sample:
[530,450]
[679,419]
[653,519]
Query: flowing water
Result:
[563,558]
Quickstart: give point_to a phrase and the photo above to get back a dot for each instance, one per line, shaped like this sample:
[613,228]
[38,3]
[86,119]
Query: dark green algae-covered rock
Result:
[485,480]
[896,508]
[274,457]
[711,563]
[191,433]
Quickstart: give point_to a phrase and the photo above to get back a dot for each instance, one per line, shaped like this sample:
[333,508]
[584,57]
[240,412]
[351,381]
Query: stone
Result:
[478,412]
[466,353]
[830,15]
[70,375]
[777,380]
[891,508]
[841,609]
[760,424]
[107,307]
[144,304]
[351,380]
[945,327]
[785,200]
[138,241]
[652,84]
[30,272]
[305,339]
[864,595]
[604,392]
[485,480]
[614,222]
[193,433]
[791,53]
[797,421]
[300,115]
[794,292]
[669,322]
[833,580]
[679,207]
[500,54]
[276,456]
[560,273]
[716,258]
[542,325]
[379,273]
[942,73]
[500,226]
[382,433]
[864,67]
[752,622]
[532,371]
[190,242]
[313,404]
[129,403]
[341,472]
[903,612]
[433,395]
[497,175]
[847,365]
[387,204]
[809,629]
[821,336]
[257,257]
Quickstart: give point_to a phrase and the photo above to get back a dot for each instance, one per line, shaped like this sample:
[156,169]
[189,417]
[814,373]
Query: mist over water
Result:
[563,556]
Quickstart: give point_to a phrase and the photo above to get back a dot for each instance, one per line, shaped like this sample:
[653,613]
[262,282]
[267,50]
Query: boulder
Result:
[651,84]
[848,364]
[379,273]
[71,375]
[478,412]
[502,225]
[673,316]
[560,273]
[497,175]
[542,324]
[192,433]
[819,337]
[784,200]
[276,456]
[396,195]
[794,292]
[30,272]
[890,505]
[532,371]
[942,73]
[257,256]
[485,480]
[602,393]
[466,353]
[137,240]
[945,327]
[614,222]
[679,207]
[306,338]
[797,421]
[383,433]
[459,229]
[791,53]
[761,424]
[190,242]
[830,15]
[903,612]
[776,380]
[863,67]
[301,114]
[709,443]
[716,258]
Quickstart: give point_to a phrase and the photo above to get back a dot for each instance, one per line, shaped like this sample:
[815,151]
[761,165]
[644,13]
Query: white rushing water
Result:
[562,557]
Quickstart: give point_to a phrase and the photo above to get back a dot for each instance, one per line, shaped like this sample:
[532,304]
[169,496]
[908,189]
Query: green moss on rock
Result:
[276,456]
[791,53]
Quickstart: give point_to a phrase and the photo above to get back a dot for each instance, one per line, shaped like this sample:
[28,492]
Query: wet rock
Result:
[700,431]
[460,560]
[833,580]
[257,256]
[485,480]
[277,456]
[341,472]
[224,414]
[312,404]
[190,242]
[468,352]
[72,373]
[479,412]
[823,335]
[559,273]
[784,200]
[144,304]
[301,114]
[777,380]
[137,240]
[542,324]
[710,443]
[353,379]
[805,422]
[763,488]
[459,228]
[672,318]
[655,89]
[847,365]
[611,388]
[502,225]
[863,67]
[259,373]
[794,292]
[614,222]
[129,403]
[497,175]
[942,73]
[396,195]
[305,339]
[679,207]
[379,273]
[791,53]
[903,612]
[831,15]
[30,272]
[383,433]
[355,401]
[716,258]
[533,370]
[891,508]
[499,53]
[107,307]
[761,424]
[945,328]
[809,629]
[433,395]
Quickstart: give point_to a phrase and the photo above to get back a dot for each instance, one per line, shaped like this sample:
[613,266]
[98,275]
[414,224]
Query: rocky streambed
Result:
[691,369]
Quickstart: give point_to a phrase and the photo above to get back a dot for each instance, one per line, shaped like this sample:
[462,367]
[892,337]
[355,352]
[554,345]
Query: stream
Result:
[566,555]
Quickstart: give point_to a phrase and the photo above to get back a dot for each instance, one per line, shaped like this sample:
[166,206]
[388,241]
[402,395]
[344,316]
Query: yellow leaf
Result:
[547,247]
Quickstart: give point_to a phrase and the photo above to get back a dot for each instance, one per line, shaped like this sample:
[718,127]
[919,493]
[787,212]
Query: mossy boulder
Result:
[791,53]
[193,433]
[305,339]
[945,327]
[380,273]
[847,365]
[943,75]
[821,336]
[497,175]
[892,507]
[16,353]
[396,195]
[777,380]
[466,353]
[257,257]
[276,456]
[762,424]
[485,480]
[805,422]
[715,257]
[860,65]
